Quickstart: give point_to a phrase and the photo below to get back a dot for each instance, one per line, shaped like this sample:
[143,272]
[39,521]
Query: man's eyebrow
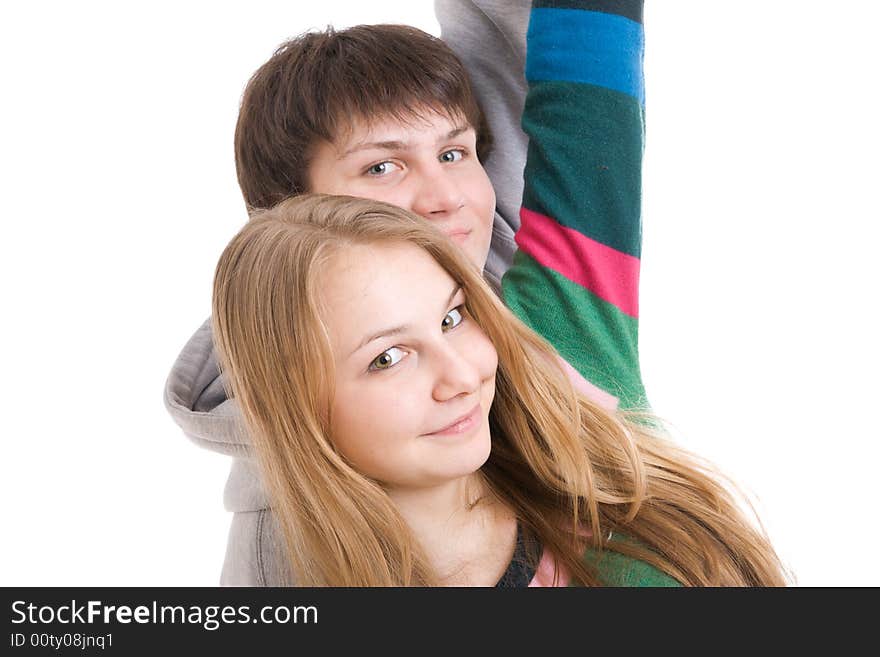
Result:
[395,145]
[396,330]
[455,132]
[377,145]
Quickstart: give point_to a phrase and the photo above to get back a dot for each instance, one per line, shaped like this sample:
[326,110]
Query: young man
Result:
[389,113]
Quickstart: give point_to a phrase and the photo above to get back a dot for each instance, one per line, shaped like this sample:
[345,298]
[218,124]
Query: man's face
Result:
[428,166]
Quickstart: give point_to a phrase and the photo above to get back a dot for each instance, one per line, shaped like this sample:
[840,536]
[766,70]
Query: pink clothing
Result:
[604,399]
[546,572]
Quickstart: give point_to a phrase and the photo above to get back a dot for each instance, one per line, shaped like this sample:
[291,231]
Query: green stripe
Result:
[585,161]
[615,569]
[595,338]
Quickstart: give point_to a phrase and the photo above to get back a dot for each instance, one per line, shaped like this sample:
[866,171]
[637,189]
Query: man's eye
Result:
[453,155]
[382,169]
[453,318]
[387,359]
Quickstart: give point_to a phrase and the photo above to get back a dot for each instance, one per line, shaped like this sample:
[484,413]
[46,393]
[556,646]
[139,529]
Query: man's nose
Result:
[455,374]
[437,194]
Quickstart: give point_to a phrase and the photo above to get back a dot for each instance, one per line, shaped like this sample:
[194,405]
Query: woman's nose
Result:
[456,375]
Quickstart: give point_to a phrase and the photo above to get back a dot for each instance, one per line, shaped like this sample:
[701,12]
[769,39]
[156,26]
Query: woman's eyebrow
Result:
[396,330]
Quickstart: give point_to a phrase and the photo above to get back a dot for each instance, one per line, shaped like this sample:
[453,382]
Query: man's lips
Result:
[459,425]
[459,235]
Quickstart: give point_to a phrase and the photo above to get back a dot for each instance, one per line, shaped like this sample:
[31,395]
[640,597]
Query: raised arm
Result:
[575,276]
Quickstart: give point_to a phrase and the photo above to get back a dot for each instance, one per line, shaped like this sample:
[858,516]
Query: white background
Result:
[759,314]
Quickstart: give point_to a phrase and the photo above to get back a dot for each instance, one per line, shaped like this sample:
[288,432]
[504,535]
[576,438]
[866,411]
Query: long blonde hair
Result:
[558,460]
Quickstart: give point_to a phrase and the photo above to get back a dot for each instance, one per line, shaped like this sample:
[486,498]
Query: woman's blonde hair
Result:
[558,460]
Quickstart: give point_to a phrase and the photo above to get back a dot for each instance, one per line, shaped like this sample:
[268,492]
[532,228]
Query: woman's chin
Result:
[459,461]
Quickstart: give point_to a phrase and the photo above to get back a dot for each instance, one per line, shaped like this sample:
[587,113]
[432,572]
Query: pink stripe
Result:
[595,394]
[609,274]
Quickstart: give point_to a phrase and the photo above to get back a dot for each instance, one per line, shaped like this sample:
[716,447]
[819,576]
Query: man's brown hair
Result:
[315,85]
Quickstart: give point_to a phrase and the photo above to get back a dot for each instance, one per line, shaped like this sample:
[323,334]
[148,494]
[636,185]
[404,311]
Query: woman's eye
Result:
[382,169]
[452,156]
[453,318]
[387,359]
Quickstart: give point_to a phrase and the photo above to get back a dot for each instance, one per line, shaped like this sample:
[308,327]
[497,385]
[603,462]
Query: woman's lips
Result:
[462,425]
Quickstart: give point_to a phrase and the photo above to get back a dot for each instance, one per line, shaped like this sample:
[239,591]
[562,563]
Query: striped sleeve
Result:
[575,275]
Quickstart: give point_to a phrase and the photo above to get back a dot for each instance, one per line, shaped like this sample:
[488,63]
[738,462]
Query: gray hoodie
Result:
[489,37]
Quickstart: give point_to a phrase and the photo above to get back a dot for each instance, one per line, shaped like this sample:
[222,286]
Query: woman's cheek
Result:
[488,356]
[350,426]
[377,412]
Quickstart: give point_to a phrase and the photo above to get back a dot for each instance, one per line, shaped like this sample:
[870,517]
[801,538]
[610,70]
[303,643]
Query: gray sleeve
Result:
[255,554]
[489,36]
[255,549]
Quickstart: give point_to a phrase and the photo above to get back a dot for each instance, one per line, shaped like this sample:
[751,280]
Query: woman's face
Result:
[415,375]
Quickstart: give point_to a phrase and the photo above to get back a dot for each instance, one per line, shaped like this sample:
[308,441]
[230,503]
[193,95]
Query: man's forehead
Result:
[427,126]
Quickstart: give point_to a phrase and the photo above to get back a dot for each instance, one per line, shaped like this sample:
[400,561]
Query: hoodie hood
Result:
[196,400]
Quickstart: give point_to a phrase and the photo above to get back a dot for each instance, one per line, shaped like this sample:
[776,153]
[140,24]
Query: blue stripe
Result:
[590,47]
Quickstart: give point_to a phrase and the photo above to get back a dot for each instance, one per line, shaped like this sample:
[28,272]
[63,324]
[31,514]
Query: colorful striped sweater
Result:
[575,276]
[574,279]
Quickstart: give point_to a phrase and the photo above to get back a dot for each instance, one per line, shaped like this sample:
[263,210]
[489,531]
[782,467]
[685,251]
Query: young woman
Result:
[413,431]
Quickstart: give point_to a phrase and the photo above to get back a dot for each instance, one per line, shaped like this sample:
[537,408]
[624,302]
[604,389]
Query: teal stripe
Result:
[585,161]
[593,335]
[632,9]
